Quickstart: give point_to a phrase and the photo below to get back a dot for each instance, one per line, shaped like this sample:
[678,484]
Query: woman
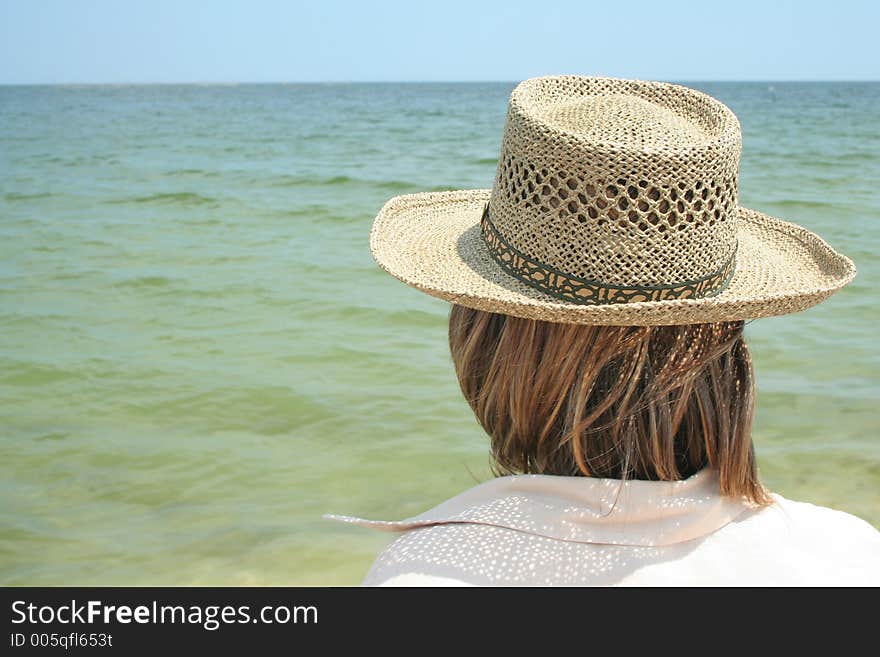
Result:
[600,291]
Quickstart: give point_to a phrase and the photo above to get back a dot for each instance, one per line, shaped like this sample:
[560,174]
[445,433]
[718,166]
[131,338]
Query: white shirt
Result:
[543,530]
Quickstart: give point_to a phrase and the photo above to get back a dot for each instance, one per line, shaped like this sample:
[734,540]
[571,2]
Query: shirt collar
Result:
[586,509]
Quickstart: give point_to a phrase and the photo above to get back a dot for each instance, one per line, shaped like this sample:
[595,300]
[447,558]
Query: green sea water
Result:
[198,356]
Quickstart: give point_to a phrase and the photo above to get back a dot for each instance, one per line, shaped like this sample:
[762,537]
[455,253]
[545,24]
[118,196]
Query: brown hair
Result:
[625,402]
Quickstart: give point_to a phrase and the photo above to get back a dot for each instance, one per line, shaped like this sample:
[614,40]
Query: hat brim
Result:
[432,241]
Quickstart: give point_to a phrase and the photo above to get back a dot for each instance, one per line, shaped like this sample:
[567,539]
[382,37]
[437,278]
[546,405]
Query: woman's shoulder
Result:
[786,543]
[827,522]
[801,542]
[543,530]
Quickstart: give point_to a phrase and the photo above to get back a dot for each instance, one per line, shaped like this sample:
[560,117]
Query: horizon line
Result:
[352,82]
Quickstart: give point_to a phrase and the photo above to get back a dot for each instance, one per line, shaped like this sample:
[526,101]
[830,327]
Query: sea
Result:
[199,358]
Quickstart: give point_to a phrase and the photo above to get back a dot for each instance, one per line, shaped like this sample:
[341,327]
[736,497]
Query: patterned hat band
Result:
[582,291]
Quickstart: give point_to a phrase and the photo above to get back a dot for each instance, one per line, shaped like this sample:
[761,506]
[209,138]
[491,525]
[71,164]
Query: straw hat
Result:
[614,202]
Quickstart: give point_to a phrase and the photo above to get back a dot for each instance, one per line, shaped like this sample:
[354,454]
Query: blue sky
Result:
[116,41]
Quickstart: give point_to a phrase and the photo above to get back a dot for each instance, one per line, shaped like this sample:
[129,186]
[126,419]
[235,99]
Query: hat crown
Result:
[624,183]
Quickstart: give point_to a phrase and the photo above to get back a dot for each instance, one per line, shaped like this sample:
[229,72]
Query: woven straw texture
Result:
[610,195]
